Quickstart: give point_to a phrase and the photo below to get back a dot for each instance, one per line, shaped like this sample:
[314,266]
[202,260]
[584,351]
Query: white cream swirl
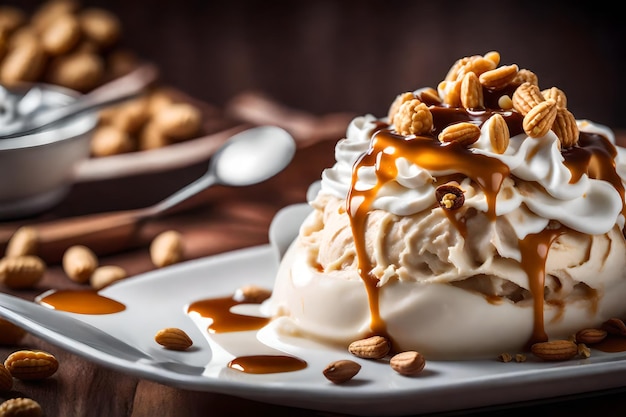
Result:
[543,182]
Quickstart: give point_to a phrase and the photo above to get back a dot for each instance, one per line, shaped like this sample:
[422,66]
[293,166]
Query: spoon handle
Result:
[181,195]
[120,89]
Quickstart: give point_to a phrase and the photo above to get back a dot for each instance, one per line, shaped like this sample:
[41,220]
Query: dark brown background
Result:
[325,56]
[321,57]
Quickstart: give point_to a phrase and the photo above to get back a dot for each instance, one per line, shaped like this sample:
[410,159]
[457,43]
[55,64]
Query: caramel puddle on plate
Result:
[225,321]
[81,302]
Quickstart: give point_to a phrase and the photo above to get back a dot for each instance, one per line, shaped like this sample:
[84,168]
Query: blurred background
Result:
[355,56]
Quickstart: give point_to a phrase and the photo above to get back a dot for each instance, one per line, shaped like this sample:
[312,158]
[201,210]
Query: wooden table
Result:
[218,220]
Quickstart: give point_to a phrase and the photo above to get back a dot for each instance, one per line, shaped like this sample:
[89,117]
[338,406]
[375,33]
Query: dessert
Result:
[475,218]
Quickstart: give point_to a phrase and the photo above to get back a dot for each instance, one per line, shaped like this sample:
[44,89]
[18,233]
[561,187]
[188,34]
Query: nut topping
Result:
[471,92]
[499,133]
[450,197]
[499,77]
[525,97]
[565,128]
[464,133]
[413,118]
[538,121]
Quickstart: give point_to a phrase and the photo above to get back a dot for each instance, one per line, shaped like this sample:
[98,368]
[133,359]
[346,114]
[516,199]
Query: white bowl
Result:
[37,170]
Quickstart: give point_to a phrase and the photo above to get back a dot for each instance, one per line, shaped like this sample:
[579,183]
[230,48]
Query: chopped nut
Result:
[413,118]
[505,357]
[583,350]
[520,357]
[341,371]
[395,106]
[450,197]
[505,102]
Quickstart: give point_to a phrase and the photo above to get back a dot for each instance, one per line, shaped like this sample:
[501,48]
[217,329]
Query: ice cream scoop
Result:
[476,218]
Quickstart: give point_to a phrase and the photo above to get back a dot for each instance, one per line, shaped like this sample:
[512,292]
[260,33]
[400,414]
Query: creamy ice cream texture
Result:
[476,218]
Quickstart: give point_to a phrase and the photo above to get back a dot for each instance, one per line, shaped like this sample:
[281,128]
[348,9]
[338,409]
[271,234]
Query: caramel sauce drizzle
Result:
[594,155]
[267,364]
[534,249]
[224,321]
[219,310]
[81,302]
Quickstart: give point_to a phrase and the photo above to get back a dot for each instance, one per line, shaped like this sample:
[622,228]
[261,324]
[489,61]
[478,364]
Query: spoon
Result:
[247,158]
[30,120]
[84,339]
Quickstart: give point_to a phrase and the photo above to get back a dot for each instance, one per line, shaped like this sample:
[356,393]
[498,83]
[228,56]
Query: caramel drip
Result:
[267,364]
[429,153]
[218,310]
[594,156]
[81,302]
[534,249]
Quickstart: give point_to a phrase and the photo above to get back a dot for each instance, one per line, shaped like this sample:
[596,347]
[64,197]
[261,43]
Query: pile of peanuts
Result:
[21,268]
[63,44]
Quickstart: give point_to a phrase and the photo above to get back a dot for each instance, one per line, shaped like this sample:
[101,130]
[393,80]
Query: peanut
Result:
[23,242]
[21,272]
[341,371]
[106,275]
[79,263]
[31,364]
[167,249]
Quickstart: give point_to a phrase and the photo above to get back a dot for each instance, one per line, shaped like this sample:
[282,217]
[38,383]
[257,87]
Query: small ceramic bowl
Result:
[36,170]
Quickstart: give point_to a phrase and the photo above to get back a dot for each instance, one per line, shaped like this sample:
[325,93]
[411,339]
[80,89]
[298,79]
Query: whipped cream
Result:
[588,205]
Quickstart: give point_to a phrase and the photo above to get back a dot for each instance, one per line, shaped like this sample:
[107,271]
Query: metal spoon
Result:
[247,158]
[120,89]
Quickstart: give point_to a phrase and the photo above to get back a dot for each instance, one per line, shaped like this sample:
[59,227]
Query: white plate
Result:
[158,299]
